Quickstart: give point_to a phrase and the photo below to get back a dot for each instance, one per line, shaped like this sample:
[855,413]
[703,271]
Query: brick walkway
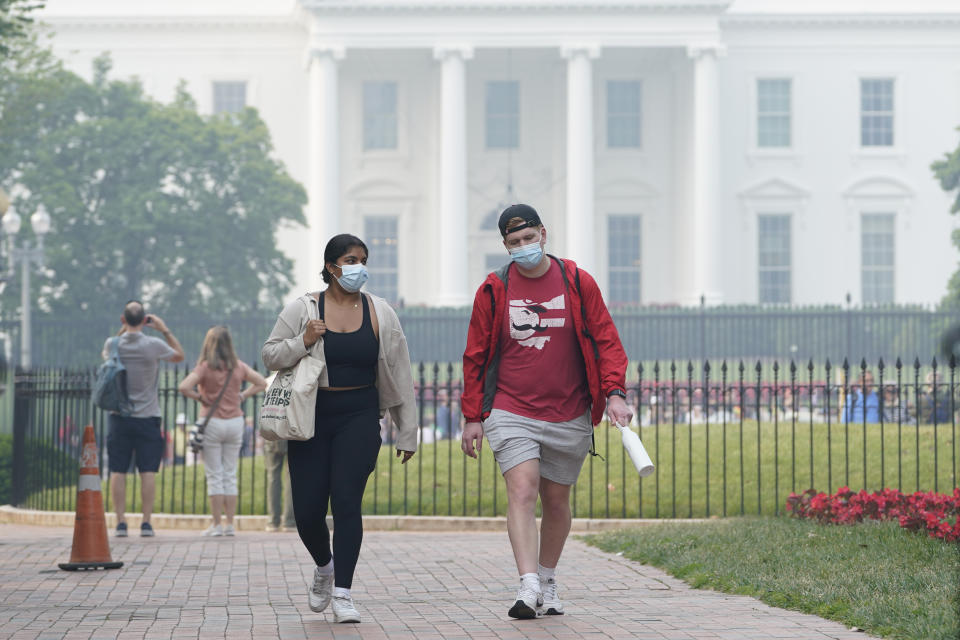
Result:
[429,586]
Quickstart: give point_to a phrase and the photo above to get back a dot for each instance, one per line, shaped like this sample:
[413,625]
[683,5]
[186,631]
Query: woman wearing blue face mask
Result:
[367,373]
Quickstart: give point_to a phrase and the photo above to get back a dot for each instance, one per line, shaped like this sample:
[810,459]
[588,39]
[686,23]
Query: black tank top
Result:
[352,356]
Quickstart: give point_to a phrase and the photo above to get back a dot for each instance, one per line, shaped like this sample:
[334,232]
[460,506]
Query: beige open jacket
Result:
[284,348]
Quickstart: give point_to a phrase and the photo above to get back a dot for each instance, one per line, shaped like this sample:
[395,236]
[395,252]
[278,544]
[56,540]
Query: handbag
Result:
[195,438]
[289,406]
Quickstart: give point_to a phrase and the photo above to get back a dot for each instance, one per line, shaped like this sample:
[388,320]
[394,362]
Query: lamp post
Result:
[28,256]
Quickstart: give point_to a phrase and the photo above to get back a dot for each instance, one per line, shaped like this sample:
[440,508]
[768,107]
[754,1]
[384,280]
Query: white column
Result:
[580,224]
[324,131]
[453,239]
[707,230]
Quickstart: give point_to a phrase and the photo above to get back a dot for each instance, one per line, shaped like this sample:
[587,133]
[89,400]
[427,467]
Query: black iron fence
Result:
[726,437]
[649,333]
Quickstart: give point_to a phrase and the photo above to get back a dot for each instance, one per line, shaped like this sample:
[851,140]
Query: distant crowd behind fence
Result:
[648,333]
[727,438]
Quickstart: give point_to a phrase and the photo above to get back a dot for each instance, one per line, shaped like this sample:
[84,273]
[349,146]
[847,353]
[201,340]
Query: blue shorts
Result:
[127,436]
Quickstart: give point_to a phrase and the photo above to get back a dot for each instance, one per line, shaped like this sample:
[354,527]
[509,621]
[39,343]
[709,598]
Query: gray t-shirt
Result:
[141,355]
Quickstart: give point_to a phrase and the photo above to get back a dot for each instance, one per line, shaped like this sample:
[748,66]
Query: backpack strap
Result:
[115,348]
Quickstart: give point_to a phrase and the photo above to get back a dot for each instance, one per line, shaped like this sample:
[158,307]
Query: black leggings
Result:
[334,465]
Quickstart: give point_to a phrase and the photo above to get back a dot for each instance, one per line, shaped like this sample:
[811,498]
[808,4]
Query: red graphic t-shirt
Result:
[541,374]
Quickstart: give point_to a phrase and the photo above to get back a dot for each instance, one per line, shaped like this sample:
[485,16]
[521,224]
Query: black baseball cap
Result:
[523,211]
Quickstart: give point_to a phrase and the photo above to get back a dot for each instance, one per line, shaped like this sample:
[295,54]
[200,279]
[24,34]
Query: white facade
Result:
[737,144]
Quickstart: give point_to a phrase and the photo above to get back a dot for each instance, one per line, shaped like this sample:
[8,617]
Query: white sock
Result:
[531,580]
[327,568]
[340,592]
[546,573]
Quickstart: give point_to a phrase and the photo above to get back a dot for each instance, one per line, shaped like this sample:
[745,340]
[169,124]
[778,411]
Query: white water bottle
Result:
[638,454]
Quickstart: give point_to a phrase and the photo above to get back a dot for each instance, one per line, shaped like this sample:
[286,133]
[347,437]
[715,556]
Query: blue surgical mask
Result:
[528,256]
[353,277]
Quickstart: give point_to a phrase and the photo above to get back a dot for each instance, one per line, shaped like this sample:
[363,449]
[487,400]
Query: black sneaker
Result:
[121,530]
[146,531]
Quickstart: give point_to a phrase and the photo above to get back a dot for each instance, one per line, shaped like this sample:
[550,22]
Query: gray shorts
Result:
[561,447]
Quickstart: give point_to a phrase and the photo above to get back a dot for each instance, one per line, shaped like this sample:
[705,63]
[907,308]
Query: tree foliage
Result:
[947,172]
[148,200]
[15,22]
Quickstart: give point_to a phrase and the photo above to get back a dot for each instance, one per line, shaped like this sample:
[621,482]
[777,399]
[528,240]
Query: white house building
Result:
[772,151]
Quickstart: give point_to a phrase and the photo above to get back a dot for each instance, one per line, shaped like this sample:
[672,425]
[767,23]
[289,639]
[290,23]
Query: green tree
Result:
[947,172]
[15,22]
[148,200]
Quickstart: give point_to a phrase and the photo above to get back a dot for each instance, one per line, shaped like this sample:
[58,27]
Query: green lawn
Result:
[688,482]
[875,576]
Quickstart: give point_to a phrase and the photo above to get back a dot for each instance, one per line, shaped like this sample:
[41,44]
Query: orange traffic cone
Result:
[90,547]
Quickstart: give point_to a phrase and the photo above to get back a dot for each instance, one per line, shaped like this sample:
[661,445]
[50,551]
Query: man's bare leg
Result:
[118,493]
[523,482]
[555,524]
[148,492]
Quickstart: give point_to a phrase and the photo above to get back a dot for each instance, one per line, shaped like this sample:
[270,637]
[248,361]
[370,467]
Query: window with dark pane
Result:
[773,258]
[380,234]
[229,97]
[624,113]
[876,112]
[774,112]
[623,251]
[877,257]
[379,115]
[503,115]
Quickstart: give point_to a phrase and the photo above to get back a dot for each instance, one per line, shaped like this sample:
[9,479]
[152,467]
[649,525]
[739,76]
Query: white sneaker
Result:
[344,611]
[551,605]
[228,530]
[528,601]
[319,594]
[213,530]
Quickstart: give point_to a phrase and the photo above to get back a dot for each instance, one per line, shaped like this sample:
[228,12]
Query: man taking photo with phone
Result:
[138,434]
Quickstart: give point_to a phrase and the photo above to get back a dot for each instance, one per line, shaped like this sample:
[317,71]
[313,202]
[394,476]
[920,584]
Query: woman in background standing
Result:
[218,366]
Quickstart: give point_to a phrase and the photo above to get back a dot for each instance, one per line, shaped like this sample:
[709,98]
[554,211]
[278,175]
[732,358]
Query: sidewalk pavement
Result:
[428,586]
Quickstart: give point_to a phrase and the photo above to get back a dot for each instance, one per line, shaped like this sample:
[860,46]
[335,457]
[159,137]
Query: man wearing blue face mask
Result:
[543,363]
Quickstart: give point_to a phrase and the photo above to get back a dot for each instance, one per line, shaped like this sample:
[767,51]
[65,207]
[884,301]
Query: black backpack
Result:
[110,388]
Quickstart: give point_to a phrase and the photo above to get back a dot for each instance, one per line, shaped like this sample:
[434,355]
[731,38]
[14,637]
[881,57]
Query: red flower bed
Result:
[930,512]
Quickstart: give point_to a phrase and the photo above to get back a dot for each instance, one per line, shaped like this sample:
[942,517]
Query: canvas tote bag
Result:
[289,406]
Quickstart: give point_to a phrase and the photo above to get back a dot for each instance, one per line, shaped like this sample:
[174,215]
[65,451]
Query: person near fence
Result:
[543,363]
[279,498]
[220,374]
[367,370]
[138,436]
[862,404]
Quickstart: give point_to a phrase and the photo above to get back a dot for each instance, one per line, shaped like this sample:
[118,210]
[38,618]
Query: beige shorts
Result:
[561,447]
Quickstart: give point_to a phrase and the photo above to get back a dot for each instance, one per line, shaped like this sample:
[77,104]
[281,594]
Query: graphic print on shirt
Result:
[529,320]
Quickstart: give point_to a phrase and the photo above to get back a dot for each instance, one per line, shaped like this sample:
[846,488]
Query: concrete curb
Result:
[14,515]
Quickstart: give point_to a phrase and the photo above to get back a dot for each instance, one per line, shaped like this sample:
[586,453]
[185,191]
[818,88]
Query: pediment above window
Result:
[774,189]
[878,187]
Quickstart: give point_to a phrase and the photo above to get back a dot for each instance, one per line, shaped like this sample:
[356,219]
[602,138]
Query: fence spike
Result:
[793,367]
[880,366]
[953,361]
[723,367]
[899,364]
[916,363]
[758,367]
[846,364]
[934,364]
[863,364]
[776,366]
